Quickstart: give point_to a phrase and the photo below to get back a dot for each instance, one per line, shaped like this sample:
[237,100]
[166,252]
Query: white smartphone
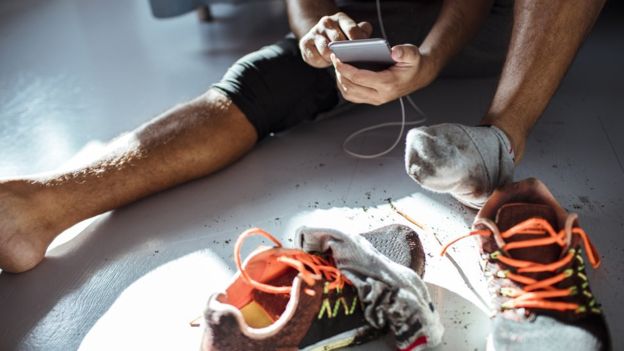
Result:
[372,54]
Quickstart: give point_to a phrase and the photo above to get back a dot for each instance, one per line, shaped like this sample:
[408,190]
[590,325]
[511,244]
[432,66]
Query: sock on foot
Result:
[467,162]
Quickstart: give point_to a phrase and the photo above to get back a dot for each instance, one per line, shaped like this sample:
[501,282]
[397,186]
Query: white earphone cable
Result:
[403,122]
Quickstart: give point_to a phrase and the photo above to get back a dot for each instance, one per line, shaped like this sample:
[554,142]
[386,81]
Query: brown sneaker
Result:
[288,299]
[532,252]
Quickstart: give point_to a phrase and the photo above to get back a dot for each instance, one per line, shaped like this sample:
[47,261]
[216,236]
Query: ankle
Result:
[516,138]
[28,224]
[39,202]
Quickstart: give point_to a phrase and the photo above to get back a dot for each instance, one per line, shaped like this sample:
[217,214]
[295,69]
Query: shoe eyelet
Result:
[507,292]
[494,255]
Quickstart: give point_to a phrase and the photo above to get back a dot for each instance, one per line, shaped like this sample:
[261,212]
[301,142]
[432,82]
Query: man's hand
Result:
[411,72]
[313,45]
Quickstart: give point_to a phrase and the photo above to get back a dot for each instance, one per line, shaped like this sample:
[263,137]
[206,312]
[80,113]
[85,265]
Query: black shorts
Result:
[276,89]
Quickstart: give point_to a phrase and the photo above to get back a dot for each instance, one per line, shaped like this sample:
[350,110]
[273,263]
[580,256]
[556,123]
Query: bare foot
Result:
[28,224]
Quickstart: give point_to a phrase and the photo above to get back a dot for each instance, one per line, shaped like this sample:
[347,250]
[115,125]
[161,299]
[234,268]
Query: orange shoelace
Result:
[311,267]
[536,293]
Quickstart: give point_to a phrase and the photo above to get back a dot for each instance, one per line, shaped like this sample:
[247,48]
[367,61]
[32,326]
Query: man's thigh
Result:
[276,89]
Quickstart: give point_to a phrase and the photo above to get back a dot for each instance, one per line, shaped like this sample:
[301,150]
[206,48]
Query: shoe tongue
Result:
[512,214]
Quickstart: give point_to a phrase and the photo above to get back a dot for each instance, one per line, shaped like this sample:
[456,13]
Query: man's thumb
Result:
[366,28]
[407,53]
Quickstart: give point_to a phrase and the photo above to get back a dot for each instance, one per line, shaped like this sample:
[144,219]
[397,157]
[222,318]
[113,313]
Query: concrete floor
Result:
[76,73]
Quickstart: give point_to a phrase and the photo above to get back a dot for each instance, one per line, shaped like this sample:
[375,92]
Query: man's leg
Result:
[256,96]
[470,162]
[186,142]
[546,36]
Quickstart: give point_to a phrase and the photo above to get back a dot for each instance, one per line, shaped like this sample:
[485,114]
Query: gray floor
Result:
[73,73]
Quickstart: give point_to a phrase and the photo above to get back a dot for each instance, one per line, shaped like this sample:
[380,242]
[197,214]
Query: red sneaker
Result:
[288,299]
[532,255]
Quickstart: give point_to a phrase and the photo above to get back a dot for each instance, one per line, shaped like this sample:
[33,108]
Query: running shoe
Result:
[532,256]
[289,299]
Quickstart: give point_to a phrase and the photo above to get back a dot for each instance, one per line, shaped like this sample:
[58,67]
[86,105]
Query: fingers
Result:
[367,28]
[351,29]
[314,45]
[322,50]
[311,54]
[406,53]
[354,92]
[362,76]
[330,28]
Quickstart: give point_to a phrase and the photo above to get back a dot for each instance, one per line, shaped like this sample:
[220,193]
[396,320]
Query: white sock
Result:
[467,162]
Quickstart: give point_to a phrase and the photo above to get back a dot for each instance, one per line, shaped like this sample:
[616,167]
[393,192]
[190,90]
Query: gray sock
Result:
[467,162]
[392,294]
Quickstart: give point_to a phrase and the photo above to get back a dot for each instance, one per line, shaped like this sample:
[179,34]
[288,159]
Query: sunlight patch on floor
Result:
[437,224]
[154,312]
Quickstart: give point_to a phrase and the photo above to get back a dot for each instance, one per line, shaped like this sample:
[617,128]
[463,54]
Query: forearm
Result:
[304,14]
[457,23]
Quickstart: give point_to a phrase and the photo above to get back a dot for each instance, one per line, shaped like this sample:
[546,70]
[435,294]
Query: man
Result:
[296,79]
